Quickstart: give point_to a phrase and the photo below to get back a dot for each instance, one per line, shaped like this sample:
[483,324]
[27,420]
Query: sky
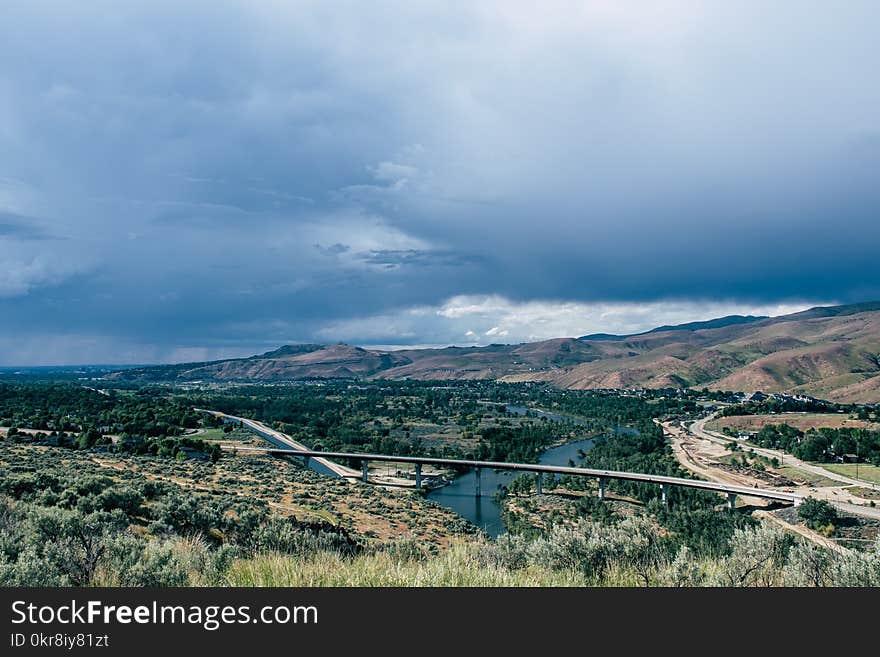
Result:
[200,179]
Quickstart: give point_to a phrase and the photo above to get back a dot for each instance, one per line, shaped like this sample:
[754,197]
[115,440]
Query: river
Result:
[484,511]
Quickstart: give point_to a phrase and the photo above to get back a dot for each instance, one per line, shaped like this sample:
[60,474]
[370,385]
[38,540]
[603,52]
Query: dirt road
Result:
[700,451]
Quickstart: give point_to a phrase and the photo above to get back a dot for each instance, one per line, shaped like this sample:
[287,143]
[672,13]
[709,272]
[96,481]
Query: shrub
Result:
[818,514]
[757,557]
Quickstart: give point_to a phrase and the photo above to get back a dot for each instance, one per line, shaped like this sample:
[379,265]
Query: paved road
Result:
[698,428]
[735,489]
[323,457]
[283,439]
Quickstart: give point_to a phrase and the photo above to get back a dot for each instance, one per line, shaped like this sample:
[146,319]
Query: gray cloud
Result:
[393,258]
[231,174]
[16,226]
[333,249]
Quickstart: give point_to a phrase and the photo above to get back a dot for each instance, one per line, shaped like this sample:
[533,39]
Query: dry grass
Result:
[458,566]
[802,421]
[369,513]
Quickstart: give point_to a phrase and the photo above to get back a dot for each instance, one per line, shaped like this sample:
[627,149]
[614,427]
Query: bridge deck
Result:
[763,493]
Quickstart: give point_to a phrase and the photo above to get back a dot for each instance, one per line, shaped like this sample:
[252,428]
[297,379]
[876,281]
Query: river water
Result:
[484,511]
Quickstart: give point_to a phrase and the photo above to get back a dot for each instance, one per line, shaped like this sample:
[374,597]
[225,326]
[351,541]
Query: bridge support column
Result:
[602,489]
[539,483]
[418,476]
[306,462]
[364,465]
[731,501]
[478,492]
[664,493]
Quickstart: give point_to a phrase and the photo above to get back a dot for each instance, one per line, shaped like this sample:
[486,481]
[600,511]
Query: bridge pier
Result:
[730,492]
[306,461]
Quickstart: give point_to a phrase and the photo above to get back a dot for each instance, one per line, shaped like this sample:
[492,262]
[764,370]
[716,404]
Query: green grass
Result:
[326,515]
[214,433]
[866,472]
[217,433]
[811,479]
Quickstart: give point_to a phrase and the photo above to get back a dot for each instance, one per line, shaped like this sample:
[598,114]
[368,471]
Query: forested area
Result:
[772,405]
[692,519]
[823,445]
[75,527]
[383,416]
[146,411]
[147,420]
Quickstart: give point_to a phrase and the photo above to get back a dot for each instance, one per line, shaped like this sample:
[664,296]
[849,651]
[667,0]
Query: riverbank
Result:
[457,493]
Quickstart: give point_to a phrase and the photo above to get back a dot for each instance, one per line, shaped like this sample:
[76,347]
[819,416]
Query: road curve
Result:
[698,428]
[282,439]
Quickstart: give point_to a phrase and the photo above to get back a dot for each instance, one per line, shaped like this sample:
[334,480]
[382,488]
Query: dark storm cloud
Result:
[16,226]
[229,175]
[393,258]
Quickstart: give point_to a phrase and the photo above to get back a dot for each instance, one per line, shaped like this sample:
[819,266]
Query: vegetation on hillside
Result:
[829,353]
[453,419]
[771,405]
[106,510]
[692,519]
[823,445]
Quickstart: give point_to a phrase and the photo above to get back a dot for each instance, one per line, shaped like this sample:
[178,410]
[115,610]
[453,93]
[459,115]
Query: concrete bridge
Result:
[664,482]
[283,441]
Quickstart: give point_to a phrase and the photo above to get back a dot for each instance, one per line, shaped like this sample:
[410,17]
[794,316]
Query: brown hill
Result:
[832,353]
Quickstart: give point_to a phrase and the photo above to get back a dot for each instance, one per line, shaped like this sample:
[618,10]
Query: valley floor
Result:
[708,455]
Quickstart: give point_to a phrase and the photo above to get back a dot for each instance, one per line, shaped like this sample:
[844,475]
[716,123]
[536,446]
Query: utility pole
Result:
[857,456]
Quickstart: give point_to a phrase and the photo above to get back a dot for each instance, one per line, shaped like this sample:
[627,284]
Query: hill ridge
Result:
[831,352]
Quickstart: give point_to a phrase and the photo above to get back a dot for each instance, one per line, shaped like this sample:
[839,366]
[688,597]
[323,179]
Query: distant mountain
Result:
[833,311]
[602,336]
[830,352]
[721,322]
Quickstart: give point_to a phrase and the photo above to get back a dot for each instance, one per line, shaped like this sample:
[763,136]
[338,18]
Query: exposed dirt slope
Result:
[832,353]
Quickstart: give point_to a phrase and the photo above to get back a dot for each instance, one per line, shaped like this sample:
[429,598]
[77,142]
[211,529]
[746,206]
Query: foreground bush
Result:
[89,546]
[590,554]
[461,565]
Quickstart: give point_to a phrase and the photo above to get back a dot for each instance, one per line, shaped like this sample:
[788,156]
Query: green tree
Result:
[817,513]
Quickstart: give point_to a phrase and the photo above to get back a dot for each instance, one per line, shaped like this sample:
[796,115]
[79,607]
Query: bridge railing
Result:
[731,490]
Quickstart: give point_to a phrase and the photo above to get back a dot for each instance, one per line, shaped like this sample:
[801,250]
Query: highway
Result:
[662,480]
[698,428]
[282,439]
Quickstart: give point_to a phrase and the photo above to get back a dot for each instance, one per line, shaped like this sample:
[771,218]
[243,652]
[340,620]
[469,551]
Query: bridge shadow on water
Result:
[484,511]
